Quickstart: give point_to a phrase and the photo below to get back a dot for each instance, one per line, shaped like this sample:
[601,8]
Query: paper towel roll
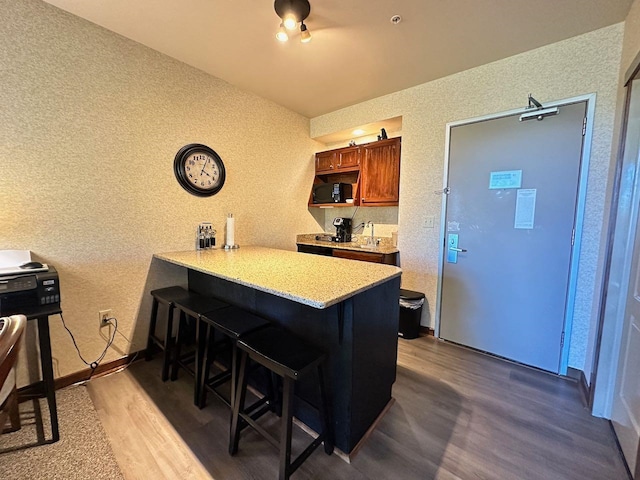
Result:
[230,230]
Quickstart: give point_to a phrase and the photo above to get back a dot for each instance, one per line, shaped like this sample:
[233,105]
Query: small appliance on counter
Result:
[332,193]
[343,231]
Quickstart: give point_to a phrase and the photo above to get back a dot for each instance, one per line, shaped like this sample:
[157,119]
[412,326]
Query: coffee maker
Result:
[343,229]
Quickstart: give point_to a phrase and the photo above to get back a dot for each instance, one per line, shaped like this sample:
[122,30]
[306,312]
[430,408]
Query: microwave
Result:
[332,192]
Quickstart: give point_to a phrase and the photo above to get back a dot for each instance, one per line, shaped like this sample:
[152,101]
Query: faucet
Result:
[370,224]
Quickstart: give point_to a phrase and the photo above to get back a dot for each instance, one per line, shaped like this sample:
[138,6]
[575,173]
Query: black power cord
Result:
[93,365]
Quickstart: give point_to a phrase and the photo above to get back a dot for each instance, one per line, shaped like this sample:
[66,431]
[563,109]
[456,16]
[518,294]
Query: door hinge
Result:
[562,340]
[584,126]
[573,237]
[444,191]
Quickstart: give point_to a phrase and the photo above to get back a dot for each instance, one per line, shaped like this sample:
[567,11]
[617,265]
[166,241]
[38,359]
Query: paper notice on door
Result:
[525,208]
[505,179]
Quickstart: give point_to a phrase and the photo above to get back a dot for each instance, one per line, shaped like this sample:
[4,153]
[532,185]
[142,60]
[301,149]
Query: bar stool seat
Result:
[192,306]
[233,323]
[166,297]
[291,358]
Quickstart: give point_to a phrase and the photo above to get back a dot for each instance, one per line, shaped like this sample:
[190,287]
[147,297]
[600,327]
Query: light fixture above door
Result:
[292,13]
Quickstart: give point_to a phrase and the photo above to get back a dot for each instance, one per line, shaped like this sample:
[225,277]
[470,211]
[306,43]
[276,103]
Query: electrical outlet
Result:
[429,221]
[103,317]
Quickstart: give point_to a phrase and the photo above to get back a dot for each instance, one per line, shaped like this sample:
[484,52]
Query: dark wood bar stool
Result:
[291,358]
[233,323]
[167,297]
[191,307]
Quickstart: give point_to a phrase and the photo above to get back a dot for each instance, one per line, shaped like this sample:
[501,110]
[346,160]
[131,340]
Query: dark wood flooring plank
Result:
[458,415]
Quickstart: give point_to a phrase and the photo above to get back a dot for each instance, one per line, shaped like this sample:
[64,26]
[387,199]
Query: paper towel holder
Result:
[230,243]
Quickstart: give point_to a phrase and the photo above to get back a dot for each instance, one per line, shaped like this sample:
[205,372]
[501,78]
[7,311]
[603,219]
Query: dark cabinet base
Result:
[365,256]
[359,335]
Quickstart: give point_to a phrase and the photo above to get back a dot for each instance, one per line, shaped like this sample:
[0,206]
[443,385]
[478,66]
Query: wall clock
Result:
[199,170]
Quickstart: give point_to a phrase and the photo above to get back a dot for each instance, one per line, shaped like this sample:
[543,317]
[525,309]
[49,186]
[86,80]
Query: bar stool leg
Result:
[273,390]
[200,347]
[152,329]
[206,358]
[285,430]
[235,360]
[178,346]
[238,405]
[168,343]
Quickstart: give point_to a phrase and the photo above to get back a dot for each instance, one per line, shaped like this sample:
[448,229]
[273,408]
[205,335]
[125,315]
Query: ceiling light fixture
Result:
[292,13]
[290,23]
[282,33]
[305,36]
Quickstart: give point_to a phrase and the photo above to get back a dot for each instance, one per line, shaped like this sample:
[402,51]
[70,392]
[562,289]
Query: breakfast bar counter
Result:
[306,279]
[347,308]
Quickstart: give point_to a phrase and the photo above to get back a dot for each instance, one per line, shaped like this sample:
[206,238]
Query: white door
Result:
[509,230]
[625,412]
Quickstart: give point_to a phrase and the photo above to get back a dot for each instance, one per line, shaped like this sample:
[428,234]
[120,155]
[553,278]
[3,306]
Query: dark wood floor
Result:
[458,415]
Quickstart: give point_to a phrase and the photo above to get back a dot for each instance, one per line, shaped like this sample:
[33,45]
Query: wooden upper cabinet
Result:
[372,168]
[340,159]
[348,157]
[325,161]
[380,179]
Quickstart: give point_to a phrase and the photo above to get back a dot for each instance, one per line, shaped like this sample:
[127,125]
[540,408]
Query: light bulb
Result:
[282,34]
[305,36]
[290,22]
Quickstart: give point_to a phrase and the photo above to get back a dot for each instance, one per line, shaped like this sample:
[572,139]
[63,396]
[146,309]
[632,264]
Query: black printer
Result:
[27,291]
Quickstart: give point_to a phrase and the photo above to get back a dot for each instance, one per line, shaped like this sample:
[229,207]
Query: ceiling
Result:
[356,53]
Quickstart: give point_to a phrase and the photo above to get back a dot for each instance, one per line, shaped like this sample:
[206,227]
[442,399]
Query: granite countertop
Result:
[313,280]
[385,247]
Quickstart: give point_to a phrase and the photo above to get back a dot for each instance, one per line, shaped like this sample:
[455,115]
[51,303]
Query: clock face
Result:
[202,170]
[199,170]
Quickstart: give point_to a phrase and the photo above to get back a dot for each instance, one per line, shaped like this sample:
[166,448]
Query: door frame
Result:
[610,321]
[590,100]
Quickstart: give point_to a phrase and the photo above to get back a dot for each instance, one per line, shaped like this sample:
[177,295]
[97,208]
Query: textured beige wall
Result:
[89,125]
[631,43]
[580,65]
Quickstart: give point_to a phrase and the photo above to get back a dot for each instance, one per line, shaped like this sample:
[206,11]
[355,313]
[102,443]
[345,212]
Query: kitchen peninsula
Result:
[347,308]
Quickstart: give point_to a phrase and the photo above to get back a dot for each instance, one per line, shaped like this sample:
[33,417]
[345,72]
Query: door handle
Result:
[452,244]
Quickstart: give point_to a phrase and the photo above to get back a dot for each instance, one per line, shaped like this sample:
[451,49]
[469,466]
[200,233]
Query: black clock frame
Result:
[181,174]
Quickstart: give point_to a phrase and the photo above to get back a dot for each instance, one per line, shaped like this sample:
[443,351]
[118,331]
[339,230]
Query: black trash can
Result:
[410,313]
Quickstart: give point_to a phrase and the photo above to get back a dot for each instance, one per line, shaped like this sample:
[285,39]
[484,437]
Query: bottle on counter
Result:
[199,238]
[207,237]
